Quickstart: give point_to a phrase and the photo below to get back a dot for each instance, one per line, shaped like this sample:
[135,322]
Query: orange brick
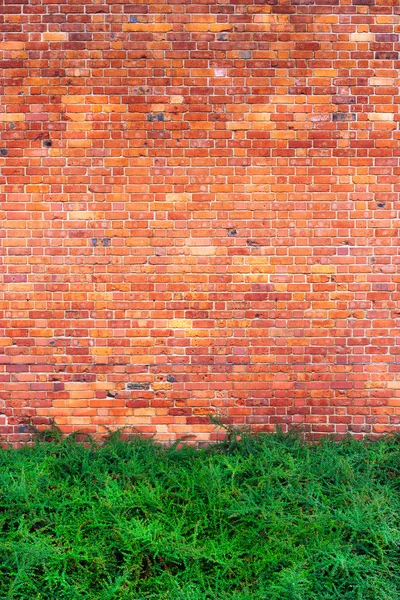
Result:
[11,117]
[147,27]
[55,36]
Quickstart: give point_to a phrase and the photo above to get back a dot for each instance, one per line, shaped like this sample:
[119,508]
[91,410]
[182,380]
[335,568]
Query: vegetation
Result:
[256,517]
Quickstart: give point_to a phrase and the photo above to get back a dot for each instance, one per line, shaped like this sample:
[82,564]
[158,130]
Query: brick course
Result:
[200,212]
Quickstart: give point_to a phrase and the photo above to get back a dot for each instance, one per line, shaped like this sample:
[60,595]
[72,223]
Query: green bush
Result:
[256,517]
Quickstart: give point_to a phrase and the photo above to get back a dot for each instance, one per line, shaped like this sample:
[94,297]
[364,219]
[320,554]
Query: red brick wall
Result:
[199,206]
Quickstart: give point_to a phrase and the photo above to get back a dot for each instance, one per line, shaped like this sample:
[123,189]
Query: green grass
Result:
[267,517]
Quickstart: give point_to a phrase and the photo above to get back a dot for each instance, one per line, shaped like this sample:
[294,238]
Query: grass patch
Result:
[267,517]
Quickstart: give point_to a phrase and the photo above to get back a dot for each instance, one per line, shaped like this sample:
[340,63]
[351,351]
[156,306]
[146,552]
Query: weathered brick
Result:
[198,214]
[381,81]
[362,37]
[381,116]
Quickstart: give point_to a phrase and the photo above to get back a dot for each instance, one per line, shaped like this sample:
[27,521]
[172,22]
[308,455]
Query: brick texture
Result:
[199,210]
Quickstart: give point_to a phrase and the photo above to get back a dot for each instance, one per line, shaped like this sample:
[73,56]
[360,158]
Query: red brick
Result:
[200,214]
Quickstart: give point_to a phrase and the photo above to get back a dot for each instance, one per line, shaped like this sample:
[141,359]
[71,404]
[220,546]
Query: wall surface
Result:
[199,208]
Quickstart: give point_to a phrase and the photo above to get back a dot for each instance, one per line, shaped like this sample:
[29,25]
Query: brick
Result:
[216,27]
[182,197]
[203,251]
[147,27]
[11,117]
[72,99]
[238,125]
[388,81]
[81,215]
[180,323]
[344,116]
[362,37]
[325,73]
[199,214]
[381,116]
[12,45]
[55,36]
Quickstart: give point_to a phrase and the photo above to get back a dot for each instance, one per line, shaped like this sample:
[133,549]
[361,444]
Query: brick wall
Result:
[200,212]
